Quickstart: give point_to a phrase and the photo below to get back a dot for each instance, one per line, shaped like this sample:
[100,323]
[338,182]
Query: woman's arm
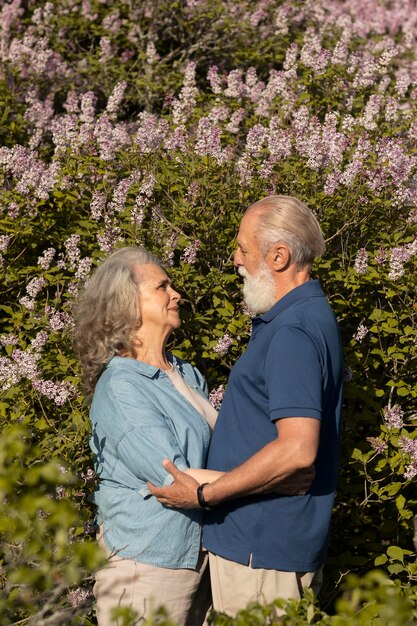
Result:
[203,475]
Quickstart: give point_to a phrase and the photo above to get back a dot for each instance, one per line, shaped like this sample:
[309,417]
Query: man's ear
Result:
[280,256]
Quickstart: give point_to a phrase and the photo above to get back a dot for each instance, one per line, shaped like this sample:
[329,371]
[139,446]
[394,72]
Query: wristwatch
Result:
[203,504]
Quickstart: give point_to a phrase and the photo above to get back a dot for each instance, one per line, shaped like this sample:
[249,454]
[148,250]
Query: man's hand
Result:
[181,494]
[297,484]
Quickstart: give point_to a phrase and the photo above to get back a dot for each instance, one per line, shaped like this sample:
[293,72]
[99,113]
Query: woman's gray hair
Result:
[284,218]
[107,312]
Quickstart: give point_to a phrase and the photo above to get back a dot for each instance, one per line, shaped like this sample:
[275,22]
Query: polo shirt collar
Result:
[310,289]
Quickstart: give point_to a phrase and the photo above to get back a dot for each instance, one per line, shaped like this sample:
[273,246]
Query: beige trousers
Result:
[234,585]
[184,593]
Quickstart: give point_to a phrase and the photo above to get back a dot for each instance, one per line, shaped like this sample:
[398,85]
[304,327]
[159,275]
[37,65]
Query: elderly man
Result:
[281,413]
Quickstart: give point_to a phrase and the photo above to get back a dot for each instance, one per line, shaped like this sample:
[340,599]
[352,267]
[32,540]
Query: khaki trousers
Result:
[184,593]
[234,585]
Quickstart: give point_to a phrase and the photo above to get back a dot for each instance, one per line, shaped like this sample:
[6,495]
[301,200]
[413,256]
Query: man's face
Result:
[259,285]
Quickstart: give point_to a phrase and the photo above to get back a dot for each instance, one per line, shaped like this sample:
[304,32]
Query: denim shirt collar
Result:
[150,371]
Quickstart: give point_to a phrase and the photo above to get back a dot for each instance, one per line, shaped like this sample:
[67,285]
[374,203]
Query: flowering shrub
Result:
[124,123]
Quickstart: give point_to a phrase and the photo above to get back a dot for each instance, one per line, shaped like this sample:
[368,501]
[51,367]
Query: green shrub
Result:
[159,123]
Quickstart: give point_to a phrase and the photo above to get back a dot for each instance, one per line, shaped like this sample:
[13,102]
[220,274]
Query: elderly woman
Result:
[147,405]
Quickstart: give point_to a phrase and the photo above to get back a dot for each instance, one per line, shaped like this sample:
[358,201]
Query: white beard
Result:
[258,289]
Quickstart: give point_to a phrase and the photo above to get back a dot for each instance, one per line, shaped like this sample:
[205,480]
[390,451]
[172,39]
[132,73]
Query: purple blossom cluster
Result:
[360,333]
[223,344]
[77,597]
[361,261]
[393,416]
[377,444]
[216,397]
[189,254]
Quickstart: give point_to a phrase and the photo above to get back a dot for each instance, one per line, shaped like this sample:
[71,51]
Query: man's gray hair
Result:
[284,218]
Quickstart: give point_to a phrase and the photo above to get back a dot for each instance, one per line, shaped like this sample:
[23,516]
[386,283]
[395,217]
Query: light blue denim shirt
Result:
[139,418]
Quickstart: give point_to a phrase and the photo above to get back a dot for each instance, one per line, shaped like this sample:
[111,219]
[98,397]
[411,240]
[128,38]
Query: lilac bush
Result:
[122,125]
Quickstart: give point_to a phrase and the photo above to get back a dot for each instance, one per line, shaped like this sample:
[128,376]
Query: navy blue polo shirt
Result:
[292,367]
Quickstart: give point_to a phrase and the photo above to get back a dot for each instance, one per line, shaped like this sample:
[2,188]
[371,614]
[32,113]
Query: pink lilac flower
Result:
[176,140]
[223,344]
[78,596]
[380,256]
[281,20]
[151,54]
[391,109]
[214,79]
[59,392]
[26,363]
[192,192]
[361,261]
[182,107]
[72,251]
[254,87]
[97,205]
[255,139]
[115,98]
[408,446]
[107,50]
[112,22]
[27,302]
[235,87]
[109,138]
[393,416]
[360,333]
[190,252]
[118,201]
[59,492]
[88,107]
[83,269]
[151,132]
[216,396]
[340,53]
[39,341]
[356,165]
[45,259]
[398,257]
[9,373]
[411,471]
[235,120]
[89,476]
[369,119]
[245,169]
[277,85]
[403,82]
[4,242]
[170,247]
[377,444]
[108,238]
[313,55]
[35,286]
[58,320]
[208,139]
[73,289]
[291,55]
[71,104]
[9,340]
[13,210]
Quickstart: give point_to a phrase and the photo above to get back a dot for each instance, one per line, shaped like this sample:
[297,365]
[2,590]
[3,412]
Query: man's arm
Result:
[294,449]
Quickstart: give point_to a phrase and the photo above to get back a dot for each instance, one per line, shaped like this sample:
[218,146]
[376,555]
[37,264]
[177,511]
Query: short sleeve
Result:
[293,375]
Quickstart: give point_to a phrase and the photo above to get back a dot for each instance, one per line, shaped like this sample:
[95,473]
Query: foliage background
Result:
[157,123]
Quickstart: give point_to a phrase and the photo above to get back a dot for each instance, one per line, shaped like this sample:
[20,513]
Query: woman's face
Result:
[159,301]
